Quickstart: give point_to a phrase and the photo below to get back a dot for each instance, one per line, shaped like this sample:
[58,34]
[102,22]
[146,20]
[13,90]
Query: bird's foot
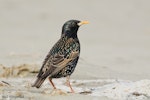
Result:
[71,91]
[58,92]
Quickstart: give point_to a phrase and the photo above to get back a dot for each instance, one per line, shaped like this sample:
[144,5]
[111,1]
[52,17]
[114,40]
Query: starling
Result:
[63,57]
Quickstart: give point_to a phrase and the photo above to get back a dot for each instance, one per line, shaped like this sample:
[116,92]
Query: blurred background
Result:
[116,43]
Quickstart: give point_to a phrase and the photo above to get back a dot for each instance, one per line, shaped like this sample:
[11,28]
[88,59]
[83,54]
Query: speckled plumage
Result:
[63,57]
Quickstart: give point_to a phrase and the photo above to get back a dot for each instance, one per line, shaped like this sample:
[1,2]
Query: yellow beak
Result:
[82,22]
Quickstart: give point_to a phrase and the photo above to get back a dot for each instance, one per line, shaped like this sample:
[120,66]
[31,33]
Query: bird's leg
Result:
[50,80]
[68,84]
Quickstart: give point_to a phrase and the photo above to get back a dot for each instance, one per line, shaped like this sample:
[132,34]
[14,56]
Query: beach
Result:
[115,51]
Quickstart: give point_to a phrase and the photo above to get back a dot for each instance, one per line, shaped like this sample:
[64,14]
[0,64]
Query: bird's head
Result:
[70,28]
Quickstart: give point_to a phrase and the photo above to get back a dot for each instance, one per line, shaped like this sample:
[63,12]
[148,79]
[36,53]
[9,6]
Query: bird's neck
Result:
[69,34]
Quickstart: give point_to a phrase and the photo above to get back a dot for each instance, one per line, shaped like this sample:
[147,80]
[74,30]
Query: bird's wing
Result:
[54,63]
[49,58]
[62,64]
[57,63]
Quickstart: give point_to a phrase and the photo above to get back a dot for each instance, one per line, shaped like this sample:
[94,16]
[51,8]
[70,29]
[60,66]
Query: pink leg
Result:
[50,80]
[68,84]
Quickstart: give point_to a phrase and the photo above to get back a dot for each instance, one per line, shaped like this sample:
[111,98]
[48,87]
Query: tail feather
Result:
[38,82]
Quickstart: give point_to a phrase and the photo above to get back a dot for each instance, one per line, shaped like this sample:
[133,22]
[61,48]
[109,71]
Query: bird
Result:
[62,59]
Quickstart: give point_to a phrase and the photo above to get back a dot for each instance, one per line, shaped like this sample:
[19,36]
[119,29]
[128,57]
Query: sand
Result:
[115,50]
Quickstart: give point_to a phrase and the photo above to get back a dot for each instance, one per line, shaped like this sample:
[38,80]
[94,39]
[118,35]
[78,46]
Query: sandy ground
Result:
[115,50]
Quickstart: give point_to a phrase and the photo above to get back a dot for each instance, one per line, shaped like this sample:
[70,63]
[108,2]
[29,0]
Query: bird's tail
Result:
[38,82]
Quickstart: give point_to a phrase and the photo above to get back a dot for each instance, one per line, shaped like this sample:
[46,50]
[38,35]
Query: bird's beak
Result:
[82,22]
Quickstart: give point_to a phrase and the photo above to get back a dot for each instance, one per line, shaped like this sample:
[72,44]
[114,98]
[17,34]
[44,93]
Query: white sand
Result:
[84,89]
